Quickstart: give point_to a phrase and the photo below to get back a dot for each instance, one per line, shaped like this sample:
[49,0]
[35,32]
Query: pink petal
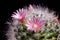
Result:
[30,7]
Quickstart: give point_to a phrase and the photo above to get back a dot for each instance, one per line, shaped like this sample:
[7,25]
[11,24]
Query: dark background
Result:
[9,6]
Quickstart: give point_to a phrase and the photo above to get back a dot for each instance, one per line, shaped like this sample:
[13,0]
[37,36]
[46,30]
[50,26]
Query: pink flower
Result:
[20,15]
[55,20]
[30,7]
[35,24]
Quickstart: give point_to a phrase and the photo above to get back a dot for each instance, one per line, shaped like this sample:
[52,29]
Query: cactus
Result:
[34,24]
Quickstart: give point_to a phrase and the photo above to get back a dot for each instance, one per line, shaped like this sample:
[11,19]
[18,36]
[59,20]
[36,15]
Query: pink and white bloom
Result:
[55,20]
[35,24]
[20,15]
[30,7]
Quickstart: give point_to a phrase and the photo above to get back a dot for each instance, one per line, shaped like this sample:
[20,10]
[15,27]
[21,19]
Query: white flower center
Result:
[35,25]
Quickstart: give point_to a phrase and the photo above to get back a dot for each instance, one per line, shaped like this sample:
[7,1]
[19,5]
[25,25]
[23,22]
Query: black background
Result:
[9,6]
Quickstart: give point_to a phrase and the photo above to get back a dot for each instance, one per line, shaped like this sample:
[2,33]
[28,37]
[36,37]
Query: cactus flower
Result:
[20,15]
[35,24]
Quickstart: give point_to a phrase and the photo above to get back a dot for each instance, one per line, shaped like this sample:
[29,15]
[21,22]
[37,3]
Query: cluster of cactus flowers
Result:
[34,23]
